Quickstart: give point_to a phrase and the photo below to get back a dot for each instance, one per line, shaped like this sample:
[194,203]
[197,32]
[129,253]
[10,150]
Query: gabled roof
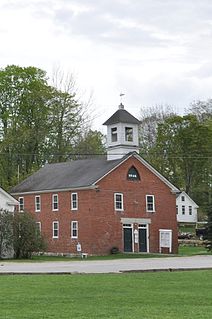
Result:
[121,116]
[68,175]
[188,197]
[77,174]
[9,199]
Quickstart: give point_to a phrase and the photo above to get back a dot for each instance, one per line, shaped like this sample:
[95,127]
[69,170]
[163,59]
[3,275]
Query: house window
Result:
[183,210]
[55,204]
[118,201]
[74,201]
[133,174]
[74,229]
[128,134]
[21,204]
[55,229]
[114,135]
[37,203]
[38,227]
[190,210]
[150,203]
[176,209]
[182,198]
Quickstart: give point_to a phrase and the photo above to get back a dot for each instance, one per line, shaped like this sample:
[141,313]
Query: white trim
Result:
[72,201]
[147,234]
[39,226]
[12,200]
[186,195]
[56,190]
[76,228]
[39,203]
[135,220]
[173,188]
[19,209]
[122,202]
[153,203]
[55,222]
[168,231]
[54,202]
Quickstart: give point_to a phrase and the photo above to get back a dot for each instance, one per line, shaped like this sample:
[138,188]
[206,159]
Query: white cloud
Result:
[154,51]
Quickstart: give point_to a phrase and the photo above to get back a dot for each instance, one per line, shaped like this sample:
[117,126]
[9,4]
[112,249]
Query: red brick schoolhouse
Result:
[119,201]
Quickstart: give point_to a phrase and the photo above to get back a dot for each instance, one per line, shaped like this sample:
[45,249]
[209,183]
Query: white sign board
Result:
[165,239]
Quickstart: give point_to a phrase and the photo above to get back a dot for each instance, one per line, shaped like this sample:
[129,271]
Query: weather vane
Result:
[121,94]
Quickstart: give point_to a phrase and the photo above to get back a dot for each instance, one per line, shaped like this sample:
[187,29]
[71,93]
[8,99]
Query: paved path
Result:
[108,266]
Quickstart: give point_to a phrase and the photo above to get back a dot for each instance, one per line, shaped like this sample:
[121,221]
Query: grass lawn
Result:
[157,295]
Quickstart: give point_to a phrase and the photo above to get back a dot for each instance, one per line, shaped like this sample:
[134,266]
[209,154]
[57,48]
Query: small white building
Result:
[186,209]
[7,202]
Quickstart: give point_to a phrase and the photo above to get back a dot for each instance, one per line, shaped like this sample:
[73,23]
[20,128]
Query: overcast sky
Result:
[153,51]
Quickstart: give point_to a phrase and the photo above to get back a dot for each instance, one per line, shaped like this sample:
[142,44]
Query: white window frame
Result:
[55,223]
[74,201]
[129,134]
[38,224]
[153,204]
[114,134]
[74,228]
[21,205]
[177,209]
[183,198]
[190,210]
[116,202]
[37,204]
[55,202]
[183,209]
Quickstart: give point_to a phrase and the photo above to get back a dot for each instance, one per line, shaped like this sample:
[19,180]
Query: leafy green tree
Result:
[26,236]
[182,148]
[6,233]
[24,112]
[90,144]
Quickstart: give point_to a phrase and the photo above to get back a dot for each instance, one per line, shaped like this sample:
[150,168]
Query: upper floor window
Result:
[182,198]
[74,229]
[133,174]
[37,203]
[183,210]
[55,202]
[190,210]
[74,201]
[176,209]
[118,201]
[150,203]
[21,204]
[114,134]
[128,134]
[55,229]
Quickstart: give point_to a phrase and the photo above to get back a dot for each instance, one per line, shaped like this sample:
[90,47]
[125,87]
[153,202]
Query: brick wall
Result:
[100,225]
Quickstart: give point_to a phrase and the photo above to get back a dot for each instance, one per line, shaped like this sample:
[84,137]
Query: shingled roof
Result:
[68,175]
[122,116]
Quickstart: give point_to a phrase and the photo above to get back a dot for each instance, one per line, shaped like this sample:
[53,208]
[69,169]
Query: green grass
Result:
[157,295]
[183,251]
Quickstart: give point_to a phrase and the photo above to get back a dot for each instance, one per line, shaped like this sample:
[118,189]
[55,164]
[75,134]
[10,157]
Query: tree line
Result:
[40,123]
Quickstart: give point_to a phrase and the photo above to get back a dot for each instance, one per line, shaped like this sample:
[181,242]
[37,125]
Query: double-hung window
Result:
[74,201]
[55,202]
[55,229]
[150,203]
[38,227]
[74,229]
[37,203]
[183,210]
[128,134]
[190,210]
[114,134]
[118,201]
[21,204]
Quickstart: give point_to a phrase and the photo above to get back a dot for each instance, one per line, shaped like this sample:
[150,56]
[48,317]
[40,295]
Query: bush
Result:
[26,236]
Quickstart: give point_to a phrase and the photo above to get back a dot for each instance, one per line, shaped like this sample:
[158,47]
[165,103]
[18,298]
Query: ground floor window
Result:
[74,229]
[55,229]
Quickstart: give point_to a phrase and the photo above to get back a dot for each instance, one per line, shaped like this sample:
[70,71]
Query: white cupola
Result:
[122,134]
